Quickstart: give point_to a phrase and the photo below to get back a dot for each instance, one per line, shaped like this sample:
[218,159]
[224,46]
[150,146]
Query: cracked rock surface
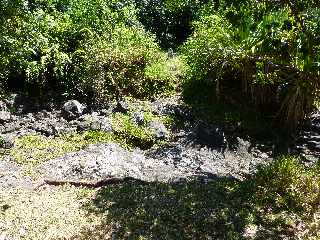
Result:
[195,148]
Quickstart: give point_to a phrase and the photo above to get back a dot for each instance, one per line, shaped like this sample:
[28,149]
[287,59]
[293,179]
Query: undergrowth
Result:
[280,201]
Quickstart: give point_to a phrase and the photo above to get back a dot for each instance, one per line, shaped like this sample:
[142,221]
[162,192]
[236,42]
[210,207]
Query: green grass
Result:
[32,150]
[281,200]
[51,213]
[132,134]
[287,185]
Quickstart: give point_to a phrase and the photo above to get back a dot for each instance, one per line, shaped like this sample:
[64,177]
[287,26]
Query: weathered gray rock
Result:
[94,163]
[7,140]
[137,118]
[72,109]
[212,136]
[122,107]
[98,162]
[3,106]
[166,164]
[10,176]
[5,116]
[159,129]
[94,122]
[197,148]
[243,146]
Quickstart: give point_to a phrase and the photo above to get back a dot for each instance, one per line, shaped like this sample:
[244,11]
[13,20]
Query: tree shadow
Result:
[208,208]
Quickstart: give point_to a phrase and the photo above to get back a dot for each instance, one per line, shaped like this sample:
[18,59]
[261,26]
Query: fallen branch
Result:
[89,184]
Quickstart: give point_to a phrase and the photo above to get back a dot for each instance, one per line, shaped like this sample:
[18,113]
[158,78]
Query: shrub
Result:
[131,134]
[259,52]
[79,48]
[286,185]
[169,20]
[127,62]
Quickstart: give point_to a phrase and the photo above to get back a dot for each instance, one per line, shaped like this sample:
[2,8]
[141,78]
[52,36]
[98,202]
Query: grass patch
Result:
[287,185]
[131,134]
[52,213]
[280,201]
[32,150]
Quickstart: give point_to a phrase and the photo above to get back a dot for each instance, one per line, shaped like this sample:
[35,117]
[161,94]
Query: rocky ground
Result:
[195,148]
[308,140]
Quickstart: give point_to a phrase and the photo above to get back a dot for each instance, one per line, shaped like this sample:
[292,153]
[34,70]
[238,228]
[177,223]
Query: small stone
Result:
[7,140]
[3,106]
[72,109]
[106,112]
[242,146]
[105,124]
[44,129]
[93,122]
[122,107]
[5,116]
[137,118]
[62,129]
[159,129]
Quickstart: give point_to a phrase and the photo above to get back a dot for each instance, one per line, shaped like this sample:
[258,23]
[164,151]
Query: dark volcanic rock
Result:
[137,118]
[5,116]
[93,122]
[122,107]
[195,148]
[166,164]
[7,140]
[3,106]
[102,161]
[307,143]
[210,136]
[72,109]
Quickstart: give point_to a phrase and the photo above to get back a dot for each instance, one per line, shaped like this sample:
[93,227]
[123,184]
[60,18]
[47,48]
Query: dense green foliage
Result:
[86,48]
[286,185]
[169,20]
[265,51]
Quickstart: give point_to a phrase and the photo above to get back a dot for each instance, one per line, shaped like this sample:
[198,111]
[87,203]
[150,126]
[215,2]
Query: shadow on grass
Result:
[218,209]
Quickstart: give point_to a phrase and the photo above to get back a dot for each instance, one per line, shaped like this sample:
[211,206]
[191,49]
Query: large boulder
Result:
[96,162]
[72,109]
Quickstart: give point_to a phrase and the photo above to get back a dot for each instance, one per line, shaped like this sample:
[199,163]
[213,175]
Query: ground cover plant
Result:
[280,201]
